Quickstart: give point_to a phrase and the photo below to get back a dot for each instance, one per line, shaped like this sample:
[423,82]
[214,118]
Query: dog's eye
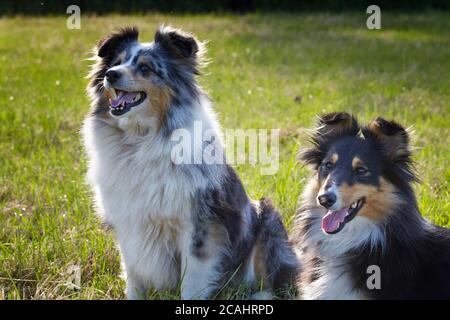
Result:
[328,165]
[116,64]
[144,68]
[361,171]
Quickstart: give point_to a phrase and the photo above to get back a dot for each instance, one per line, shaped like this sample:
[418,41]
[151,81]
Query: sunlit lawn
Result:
[267,71]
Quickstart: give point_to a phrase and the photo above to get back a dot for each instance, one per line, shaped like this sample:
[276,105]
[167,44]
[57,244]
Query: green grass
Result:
[260,63]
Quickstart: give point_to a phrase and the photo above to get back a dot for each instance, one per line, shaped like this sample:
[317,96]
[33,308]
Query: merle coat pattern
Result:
[178,225]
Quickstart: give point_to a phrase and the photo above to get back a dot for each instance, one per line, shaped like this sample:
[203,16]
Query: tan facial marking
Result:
[160,100]
[159,96]
[379,201]
[357,162]
[334,158]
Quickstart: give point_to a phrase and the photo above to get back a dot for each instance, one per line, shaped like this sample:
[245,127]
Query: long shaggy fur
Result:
[412,254]
[188,226]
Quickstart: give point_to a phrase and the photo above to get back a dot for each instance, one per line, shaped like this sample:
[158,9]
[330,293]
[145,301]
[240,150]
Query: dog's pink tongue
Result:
[127,98]
[332,220]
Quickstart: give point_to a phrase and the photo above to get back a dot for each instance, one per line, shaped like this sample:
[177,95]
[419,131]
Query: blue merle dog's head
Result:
[141,80]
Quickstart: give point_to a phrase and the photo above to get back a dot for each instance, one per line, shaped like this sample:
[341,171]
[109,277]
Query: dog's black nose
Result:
[327,199]
[112,76]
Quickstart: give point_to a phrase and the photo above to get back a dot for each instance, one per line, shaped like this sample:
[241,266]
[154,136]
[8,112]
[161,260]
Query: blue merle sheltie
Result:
[187,227]
[359,215]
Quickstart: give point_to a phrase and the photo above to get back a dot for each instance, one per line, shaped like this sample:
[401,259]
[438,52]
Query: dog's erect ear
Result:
[178,43]
[108,45]
[392,136]
[329,127]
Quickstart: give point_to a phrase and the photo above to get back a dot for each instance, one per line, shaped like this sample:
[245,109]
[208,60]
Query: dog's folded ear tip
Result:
[178,42]
[388,128]
[334,117]
[111,41]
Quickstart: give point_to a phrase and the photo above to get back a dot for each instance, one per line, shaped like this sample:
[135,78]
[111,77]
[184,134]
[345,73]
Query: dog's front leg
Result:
[199,267]
[135,290]
[199,277]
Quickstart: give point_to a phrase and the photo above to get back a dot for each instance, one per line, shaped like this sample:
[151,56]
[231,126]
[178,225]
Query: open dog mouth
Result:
[122,101]
[335,220]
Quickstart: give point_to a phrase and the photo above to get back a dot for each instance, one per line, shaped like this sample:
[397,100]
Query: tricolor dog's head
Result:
[142,79]
[359,170]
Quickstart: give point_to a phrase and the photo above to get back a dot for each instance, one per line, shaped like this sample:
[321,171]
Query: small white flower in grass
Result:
[11,98]
[57,82]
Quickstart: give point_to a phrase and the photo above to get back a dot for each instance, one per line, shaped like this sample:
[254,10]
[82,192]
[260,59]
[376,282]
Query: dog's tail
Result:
[281,263]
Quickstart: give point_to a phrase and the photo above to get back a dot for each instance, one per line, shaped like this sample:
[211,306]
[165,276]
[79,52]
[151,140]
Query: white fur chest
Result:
[334,280]
[144,197]
[333,283]
[135,181]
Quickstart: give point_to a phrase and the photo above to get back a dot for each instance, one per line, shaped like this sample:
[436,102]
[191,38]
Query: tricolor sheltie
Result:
[178,226]
[359,217]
